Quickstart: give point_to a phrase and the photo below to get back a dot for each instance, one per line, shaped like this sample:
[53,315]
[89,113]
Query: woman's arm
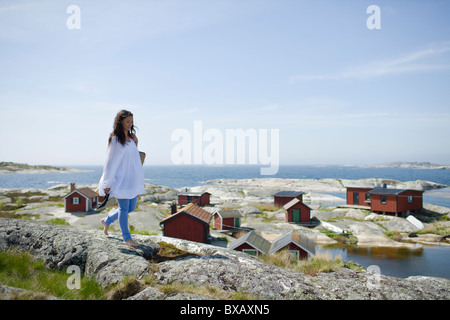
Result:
[114,156]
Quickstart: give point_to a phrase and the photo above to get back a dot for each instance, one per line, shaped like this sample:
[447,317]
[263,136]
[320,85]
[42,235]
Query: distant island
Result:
[12,167]
[408,165]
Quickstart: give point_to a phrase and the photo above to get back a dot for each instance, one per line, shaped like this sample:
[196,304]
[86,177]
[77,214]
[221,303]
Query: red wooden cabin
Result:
[227,219]
[299,246]
[189,223]
[199,198]
[297,211]
[254,244]
[251,243]
[283,197]
[80,200]
[396,201]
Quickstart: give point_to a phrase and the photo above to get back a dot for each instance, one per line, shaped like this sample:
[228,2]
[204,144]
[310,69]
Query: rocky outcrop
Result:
[319,185]
[235,271]
[110,261]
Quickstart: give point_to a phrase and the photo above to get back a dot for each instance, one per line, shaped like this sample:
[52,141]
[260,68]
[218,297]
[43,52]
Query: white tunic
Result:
[122,172]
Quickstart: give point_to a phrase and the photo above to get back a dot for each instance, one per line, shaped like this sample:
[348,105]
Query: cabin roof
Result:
[292,203]
[192,210]
[253,239]
[235,213]
[293,237]
[86,192]
[288,194]
[386,191]
[195,194]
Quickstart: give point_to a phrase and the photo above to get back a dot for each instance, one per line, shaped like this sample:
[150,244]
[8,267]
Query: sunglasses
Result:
[126,114]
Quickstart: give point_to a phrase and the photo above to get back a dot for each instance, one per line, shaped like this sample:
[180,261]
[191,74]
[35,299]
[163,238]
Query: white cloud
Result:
[418,61]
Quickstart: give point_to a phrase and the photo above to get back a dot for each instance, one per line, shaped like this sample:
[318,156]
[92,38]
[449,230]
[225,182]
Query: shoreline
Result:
[44,171]
[23,168]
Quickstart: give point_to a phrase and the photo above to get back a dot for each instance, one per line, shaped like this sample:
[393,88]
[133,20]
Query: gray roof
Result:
[265,247]
[291,236]
[197,194]
[380,190]
[292,203]
[235,213]
[288,194]
[253,239]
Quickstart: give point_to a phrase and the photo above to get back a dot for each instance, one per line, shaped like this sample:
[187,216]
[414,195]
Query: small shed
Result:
[199,198]
[297,211]
[299,246]
[189,223]
[251,243]
[80,199]
[227,219]
[397,201]
[283,197]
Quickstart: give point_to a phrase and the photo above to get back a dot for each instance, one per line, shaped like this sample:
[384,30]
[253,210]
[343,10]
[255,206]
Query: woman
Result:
[123,176]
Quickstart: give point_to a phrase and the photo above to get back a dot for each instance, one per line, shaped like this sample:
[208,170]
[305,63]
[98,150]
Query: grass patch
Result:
[326,208]
[21,270]
[311,267]
[141,232]
[394,235]
[436,228]
[347,238]
[267,207]
[171,288]
[266,218]
[59,221]
[20,199]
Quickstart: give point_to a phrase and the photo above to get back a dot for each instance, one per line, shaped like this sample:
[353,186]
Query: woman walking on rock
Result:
[123,175]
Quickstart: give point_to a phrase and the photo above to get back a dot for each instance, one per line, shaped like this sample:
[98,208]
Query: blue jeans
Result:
[125,207]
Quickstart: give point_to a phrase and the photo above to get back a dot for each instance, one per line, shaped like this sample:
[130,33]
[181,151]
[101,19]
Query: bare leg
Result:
[105,227]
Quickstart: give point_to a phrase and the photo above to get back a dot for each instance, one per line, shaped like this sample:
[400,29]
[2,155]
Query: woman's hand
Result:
[107,190]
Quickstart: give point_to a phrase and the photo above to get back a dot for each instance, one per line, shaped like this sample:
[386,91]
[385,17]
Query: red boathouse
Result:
[385,200]
[189,223]
[397,201]
[199,198]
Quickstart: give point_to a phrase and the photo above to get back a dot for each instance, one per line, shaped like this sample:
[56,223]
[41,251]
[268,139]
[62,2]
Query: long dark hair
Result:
[118,129]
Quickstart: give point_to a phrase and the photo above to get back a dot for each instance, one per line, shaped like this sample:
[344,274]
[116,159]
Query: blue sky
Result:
[338,92]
